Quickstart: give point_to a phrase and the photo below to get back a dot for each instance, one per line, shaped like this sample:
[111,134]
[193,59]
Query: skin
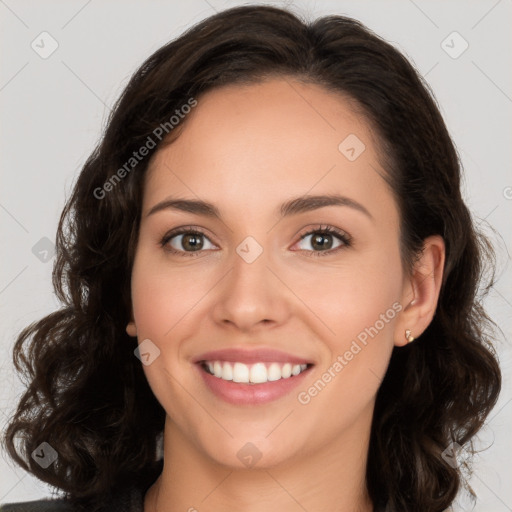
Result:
[247,149]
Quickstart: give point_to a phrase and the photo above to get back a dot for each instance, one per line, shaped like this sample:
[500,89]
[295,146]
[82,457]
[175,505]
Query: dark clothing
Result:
[126,498]
[127,501]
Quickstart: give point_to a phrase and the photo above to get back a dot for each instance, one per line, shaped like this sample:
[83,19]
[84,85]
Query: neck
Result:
[332,479]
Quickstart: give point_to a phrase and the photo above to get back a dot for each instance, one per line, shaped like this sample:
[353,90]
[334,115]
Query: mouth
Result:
[251,377]
[257,373]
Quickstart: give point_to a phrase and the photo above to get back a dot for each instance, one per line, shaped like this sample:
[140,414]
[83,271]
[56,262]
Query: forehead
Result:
[245,143]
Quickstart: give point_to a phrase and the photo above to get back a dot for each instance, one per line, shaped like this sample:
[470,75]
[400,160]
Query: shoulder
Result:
[127,501]
[57,505]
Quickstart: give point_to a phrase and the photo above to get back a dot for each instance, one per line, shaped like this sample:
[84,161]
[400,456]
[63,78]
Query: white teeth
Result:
[286,370]
[274,372]
[240,372]
[227,372]
[217,369]
[256,373]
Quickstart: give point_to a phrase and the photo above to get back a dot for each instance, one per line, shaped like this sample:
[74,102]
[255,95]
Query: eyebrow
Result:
[293,206]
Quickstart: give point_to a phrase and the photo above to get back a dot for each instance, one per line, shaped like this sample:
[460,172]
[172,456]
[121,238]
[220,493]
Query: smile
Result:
[257,373]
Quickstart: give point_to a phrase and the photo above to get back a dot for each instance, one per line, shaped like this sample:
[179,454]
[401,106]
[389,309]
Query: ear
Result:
[420,292]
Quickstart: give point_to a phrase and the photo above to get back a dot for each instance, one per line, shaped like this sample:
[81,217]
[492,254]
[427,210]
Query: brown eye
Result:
[192,242]
[323,241]
[186,241]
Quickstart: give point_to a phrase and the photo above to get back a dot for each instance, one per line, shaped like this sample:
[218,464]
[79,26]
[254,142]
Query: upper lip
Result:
[243,355]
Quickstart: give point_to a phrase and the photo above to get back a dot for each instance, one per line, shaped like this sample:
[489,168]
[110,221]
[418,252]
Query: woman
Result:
[266,265]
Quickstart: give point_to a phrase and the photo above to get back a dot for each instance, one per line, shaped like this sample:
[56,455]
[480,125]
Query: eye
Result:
[323,240]
[186,241]
[189,241]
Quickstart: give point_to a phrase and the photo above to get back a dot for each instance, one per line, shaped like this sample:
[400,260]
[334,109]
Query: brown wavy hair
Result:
[87,395]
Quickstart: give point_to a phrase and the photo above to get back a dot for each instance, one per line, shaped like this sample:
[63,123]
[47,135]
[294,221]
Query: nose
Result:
[251,296]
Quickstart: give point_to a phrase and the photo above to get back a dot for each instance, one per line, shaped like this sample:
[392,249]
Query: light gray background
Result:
[53,111]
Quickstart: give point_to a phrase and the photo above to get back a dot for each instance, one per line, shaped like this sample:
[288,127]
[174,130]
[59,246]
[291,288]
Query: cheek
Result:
[356,297]
[161,302]
[359,304]
[162,297]
[361,318]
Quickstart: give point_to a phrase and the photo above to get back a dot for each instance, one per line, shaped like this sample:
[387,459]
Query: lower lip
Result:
[251,394]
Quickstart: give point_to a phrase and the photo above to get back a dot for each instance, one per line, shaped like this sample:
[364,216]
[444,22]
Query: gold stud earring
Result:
[410,338]
[131,329]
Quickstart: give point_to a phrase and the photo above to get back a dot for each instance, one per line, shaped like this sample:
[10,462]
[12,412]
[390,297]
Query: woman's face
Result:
[251,297]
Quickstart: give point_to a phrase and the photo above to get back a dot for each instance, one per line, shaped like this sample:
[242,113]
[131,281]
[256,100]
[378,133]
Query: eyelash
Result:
[324,230]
